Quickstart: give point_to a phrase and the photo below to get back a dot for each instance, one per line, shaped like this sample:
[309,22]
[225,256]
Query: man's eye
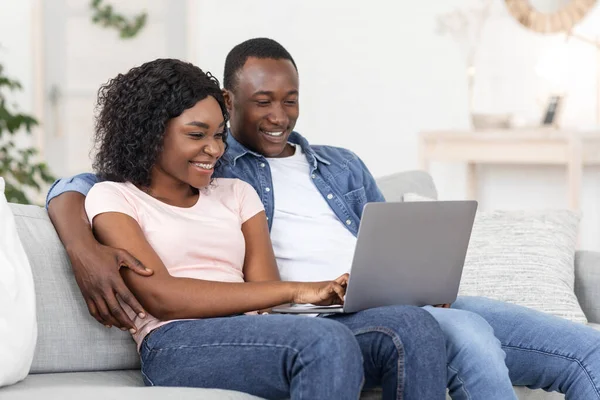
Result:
[291,102]
[263,103]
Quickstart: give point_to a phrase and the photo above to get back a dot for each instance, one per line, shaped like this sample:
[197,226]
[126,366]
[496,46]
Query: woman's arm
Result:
[167,297]
[259,261]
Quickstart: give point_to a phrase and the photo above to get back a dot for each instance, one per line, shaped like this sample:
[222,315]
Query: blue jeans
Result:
[476,367]
[281,356]
[403,350]
[542,351]
[493,345]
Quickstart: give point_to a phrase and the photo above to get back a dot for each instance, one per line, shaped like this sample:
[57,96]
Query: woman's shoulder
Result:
[124,190]
[232,189]
[230,185]
[113,187]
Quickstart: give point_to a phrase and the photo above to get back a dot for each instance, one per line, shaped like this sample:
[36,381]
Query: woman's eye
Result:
[196,135]
[220,135]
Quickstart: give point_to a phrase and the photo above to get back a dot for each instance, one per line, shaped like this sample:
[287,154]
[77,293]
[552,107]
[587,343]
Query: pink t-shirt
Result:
[204,241]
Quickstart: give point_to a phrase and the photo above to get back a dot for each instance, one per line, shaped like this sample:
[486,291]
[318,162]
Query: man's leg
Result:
[403,351]
[476,368]
[543,351]
[272,356]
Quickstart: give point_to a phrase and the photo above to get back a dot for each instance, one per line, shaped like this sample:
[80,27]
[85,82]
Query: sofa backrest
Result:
[69,339]
[396,185]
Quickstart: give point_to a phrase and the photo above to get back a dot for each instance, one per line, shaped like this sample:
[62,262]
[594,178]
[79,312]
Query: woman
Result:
[160,134]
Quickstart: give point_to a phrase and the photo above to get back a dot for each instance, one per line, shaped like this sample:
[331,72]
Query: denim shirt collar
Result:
[236,150]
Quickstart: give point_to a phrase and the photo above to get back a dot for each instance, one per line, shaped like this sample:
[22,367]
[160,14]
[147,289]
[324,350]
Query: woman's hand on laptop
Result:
[322,293]
[442,305]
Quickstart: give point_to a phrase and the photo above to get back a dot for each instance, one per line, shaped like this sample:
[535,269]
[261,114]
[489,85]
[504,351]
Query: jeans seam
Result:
[583,367]
[147,377]
[224,344]
[462,386]
[145,345]
[399,349]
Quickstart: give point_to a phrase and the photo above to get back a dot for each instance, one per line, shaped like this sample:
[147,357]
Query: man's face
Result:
[264,106]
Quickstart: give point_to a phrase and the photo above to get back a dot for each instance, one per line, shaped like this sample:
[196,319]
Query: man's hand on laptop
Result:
[322,293]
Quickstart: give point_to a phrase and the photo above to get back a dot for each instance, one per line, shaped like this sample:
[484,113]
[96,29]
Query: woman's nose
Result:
[213,149]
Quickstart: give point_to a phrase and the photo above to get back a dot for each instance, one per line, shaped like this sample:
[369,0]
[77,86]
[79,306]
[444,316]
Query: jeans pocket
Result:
[153,338]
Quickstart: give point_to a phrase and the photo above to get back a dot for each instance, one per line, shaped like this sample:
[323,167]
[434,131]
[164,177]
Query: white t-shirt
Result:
[309,241]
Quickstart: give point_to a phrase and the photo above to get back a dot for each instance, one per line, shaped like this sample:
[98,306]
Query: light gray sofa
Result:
[77,358]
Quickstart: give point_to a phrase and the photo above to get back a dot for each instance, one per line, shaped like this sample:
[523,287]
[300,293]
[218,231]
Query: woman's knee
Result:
[413,323]
[331,339]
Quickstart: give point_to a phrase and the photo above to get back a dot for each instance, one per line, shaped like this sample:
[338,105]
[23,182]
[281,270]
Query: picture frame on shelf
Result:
[552,111]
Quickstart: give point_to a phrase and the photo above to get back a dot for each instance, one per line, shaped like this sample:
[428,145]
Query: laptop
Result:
[407,253]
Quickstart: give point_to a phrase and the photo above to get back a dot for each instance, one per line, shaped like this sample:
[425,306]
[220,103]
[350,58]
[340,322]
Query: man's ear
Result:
[228,96]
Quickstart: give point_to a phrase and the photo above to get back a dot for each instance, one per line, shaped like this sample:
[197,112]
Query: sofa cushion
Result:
[587,279]
[69,339]
[18,328]
[108,385]
[526,258]
[523,257]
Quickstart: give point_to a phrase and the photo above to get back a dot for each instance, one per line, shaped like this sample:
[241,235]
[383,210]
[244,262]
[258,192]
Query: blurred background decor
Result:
[465,26]
[106,16]
[385,62]
[549,16]
[559,17]
[19,165]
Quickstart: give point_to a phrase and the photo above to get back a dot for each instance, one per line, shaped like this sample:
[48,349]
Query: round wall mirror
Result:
[549,16]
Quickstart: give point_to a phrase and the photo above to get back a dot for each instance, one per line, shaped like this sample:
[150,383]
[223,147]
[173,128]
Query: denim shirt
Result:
[340,176]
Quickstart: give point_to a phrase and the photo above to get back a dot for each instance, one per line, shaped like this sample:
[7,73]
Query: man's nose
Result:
[278,116]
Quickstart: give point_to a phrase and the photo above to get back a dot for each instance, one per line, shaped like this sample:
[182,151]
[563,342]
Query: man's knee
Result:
[470,334]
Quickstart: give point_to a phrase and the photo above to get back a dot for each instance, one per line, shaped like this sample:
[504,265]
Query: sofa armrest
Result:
[587,283]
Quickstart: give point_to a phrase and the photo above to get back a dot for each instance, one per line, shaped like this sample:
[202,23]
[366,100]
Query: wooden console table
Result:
[536,146]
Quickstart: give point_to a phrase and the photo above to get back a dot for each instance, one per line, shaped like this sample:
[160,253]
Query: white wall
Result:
[374,75]
[16,52]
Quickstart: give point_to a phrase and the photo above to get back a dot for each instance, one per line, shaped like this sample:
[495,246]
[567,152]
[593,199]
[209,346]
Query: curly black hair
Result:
[133,111]
[257,47]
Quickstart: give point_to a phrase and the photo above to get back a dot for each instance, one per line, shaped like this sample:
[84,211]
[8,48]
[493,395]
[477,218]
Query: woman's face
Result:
[193,143]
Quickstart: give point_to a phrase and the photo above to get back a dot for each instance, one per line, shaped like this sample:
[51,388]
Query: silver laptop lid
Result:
[409,253]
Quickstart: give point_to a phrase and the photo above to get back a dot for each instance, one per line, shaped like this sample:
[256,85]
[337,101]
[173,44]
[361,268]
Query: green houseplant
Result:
[19,165]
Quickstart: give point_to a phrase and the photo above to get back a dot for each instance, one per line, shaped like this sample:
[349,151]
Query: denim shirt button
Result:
[313,176]
[330,196]
[267,189]
[348,222]
[262,164]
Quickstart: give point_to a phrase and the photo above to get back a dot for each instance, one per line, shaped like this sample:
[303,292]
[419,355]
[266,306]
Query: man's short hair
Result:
[259,48]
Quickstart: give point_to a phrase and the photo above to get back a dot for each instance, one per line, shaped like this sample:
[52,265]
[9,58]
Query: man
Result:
[402,348]
[314,196]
